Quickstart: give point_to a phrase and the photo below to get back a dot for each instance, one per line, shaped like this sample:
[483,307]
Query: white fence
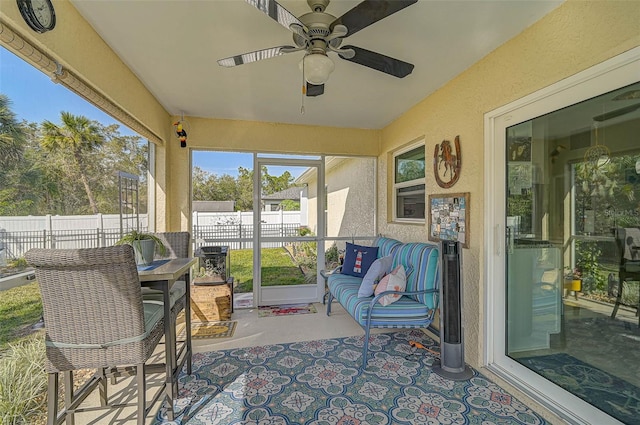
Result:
[246,217]
[112,221]
[20,234]
[30,223]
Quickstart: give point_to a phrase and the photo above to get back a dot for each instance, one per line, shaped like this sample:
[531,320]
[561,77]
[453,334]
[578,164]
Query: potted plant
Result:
[573,281]
[144,245]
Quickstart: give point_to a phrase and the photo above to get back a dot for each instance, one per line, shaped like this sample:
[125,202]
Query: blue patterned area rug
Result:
[319,383]
[614,396]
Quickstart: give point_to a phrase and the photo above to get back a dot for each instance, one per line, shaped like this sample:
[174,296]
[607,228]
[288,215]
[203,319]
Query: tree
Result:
[273,184]
[290,205]
[244,201]
[11,134]
[75,139]
[211,187]
[410,170]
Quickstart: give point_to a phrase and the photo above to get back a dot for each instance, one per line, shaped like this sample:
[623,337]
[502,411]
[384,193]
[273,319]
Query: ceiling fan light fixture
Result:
[316,68]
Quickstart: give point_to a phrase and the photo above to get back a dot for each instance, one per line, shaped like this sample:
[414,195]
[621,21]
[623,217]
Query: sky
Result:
[35,98]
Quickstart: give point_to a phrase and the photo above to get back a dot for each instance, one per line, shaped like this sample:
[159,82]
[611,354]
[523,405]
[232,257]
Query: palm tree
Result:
[77,136]
[12,134]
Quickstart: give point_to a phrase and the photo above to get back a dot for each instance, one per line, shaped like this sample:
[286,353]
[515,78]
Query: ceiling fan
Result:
[628,95]
[318,33]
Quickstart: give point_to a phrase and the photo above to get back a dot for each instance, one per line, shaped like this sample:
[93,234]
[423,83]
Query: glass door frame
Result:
[301,293]
[604,77]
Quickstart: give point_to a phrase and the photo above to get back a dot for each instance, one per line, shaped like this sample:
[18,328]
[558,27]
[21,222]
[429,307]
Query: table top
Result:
[167,270]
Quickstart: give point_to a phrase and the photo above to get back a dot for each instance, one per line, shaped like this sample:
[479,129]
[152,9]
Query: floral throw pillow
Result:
[394,281]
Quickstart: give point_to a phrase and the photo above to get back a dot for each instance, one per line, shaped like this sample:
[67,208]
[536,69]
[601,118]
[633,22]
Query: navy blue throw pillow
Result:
[358,259]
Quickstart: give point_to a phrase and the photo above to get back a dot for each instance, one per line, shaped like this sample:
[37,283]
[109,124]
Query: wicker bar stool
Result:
[94,318]
[178,246]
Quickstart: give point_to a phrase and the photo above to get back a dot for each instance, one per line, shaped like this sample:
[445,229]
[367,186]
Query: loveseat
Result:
[416,306]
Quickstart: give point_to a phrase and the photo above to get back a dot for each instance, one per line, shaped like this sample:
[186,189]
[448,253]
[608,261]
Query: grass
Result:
[23,383]
[277,269]
[20,308]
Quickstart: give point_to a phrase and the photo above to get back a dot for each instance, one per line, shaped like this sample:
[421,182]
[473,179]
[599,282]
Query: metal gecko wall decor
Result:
[452,162]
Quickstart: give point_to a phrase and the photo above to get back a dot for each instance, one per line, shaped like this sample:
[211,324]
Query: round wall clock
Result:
[38,14]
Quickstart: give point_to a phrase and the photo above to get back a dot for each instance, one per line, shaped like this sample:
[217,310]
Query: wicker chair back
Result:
[91,298]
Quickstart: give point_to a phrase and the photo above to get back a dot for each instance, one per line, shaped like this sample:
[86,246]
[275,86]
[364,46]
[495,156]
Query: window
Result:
[409,184]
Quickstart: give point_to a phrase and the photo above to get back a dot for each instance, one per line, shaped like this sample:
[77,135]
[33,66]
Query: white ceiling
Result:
[173,47]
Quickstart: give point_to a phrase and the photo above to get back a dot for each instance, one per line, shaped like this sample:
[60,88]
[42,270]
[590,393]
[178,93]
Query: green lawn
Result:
[20,308]
[277,269]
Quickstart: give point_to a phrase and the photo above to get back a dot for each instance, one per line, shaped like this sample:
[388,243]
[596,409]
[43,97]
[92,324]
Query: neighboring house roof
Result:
[292,193]
[214,206]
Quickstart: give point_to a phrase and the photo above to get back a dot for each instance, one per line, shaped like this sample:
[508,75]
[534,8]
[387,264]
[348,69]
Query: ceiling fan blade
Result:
[255,56]
[275,11]
[631,94]
[369,12]
[616,112]
[315,89]
[379,62]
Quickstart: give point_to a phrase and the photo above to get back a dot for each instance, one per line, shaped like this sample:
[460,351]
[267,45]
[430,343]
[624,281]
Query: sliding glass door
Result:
[567,276]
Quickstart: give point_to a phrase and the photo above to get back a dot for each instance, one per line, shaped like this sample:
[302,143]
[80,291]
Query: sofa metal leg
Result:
[329,300]
[365,348]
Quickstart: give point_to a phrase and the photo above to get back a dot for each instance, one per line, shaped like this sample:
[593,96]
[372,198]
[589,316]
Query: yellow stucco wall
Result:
[572,38]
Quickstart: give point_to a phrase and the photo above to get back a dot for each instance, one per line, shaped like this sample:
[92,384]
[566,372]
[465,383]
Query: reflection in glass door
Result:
[573,249]
[285,266]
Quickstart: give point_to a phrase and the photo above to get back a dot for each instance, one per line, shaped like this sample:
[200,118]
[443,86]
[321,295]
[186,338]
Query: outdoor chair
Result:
[178,246]
[95,318]
[628,242]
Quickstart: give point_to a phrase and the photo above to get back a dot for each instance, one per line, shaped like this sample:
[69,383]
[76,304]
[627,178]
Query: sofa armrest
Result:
[327,273]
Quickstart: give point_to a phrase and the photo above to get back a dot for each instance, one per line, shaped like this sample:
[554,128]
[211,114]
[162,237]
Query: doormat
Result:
[285,310]
[608,393]
[206,330]
[244,300]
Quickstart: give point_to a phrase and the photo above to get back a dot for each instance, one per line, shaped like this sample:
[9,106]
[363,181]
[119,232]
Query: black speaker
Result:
[452,364]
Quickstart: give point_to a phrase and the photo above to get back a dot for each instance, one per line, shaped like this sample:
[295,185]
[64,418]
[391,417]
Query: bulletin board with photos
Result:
[449,218]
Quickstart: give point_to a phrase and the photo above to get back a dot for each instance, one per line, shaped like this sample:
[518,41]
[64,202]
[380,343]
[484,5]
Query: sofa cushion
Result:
[421,260]
[404,313]
[394,281]
[386,246]
[358,259]
[378,269]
